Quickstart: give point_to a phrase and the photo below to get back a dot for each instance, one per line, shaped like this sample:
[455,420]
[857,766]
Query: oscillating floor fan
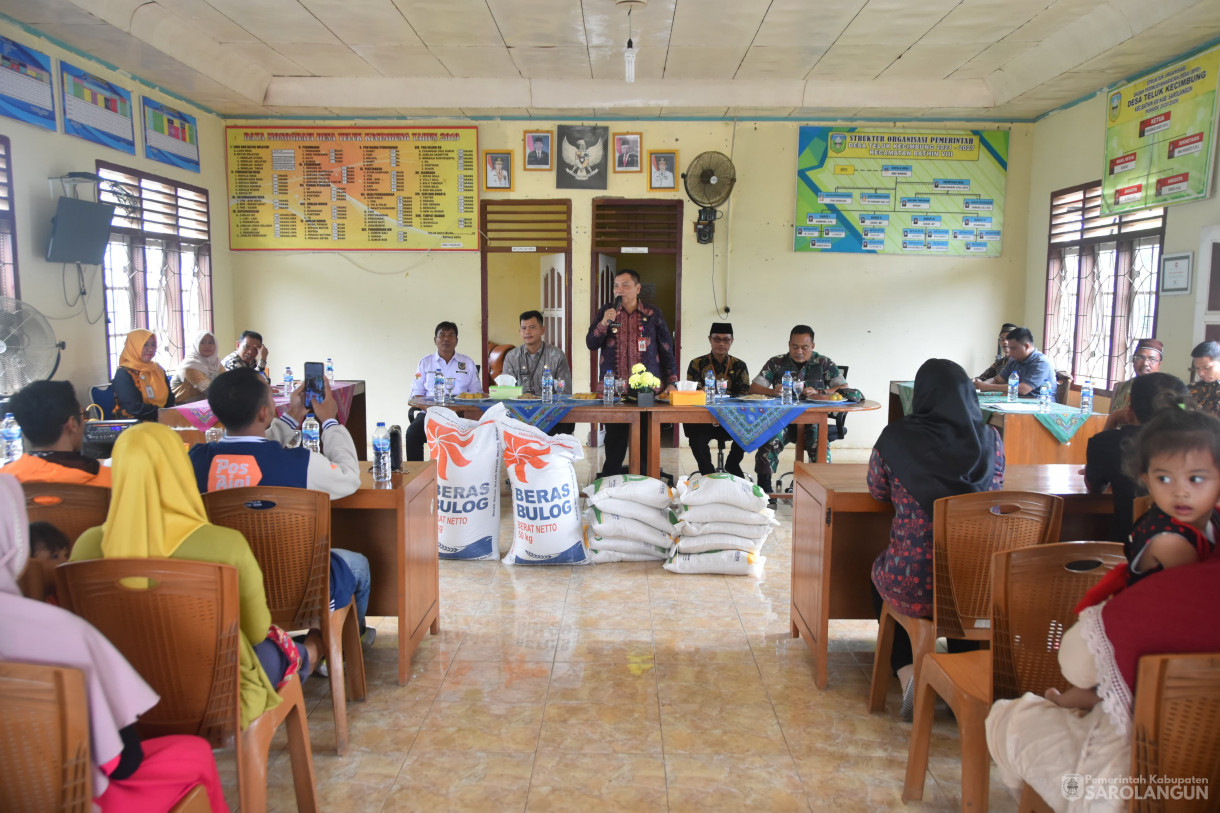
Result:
[28,350]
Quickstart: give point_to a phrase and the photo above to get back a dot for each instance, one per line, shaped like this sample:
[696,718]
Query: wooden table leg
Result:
[654,445]
[634,446]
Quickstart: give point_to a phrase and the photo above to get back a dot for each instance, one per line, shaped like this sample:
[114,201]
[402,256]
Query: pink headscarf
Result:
[35,632]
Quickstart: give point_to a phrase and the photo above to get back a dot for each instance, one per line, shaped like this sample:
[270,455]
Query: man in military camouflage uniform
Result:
[731,369]
[821,377]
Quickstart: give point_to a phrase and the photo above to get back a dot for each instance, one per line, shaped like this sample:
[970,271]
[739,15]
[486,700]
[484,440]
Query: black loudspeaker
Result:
[395,447]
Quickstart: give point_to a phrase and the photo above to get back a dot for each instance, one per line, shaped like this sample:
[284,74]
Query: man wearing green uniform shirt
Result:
[821,377]
[728,368]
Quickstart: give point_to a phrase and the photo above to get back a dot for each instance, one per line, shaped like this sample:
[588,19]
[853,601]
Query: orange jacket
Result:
[31,469]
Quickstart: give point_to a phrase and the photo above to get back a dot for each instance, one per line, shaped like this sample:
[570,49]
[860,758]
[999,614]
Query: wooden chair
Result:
[1177,727]
[966,531]
[181,633]
[1033,593]
[45,762]
[71,507]
[289,531]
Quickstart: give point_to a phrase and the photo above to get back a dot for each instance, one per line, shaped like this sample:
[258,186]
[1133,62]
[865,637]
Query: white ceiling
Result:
[829,59]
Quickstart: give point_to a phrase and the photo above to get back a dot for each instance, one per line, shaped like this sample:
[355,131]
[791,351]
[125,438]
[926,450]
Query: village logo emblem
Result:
[838,142]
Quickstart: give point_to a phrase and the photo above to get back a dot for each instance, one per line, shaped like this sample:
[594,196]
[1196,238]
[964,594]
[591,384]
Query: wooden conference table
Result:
[838,530]
[694,413]
[1025,439]
[187,419]
[394,525]
[581,412]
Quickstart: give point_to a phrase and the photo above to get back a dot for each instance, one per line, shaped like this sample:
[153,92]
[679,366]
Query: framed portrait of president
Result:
[627,152]
[537,150]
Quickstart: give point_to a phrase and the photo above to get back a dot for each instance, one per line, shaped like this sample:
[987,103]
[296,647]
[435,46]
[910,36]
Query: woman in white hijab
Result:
[190,381]
[128,775]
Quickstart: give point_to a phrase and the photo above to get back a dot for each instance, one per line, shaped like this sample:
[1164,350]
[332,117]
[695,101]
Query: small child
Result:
[49,548]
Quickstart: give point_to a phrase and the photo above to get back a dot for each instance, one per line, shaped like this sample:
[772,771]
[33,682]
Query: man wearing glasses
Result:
[52,427]
[1147,359]
[724,368]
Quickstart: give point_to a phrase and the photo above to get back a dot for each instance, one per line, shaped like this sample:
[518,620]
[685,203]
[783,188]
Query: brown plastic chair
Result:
[967,531]
[289,531]
[182,635]
[1177,728]
[71,507]
[44,739]
[45,762]
[1024,518]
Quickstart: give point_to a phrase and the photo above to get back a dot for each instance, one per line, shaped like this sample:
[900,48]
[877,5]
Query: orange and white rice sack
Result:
[467,455]
[546,516]
[722,562]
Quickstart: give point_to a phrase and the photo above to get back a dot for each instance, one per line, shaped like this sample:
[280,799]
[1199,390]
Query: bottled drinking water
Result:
[1044,398]
[287,381]
[608,387]
[1014,381]
[1086,397]
[11,433]
[330,371]
[785,390]
[381,453]
[311,434]
[438,386]
[548,385]
[709,385]
[214,433]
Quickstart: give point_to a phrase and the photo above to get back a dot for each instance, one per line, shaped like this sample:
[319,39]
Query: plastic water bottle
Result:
[1044,398]
[330,371]
[381,453]
[548,385]
[287,381]
[1014,381]
[709,385]
[608,387]
[11,432]
[1086,397]
[785,389]
[214,433]
[311,434]
[438,386]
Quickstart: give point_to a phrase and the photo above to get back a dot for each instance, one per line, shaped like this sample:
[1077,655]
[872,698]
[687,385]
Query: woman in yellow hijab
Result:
[140,385]
[156,513]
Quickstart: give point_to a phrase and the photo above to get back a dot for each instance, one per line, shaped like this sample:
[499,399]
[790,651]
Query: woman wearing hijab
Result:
[140,385]
[1087,730]
[198,368]
[128,775]
[156,513]
[943,448]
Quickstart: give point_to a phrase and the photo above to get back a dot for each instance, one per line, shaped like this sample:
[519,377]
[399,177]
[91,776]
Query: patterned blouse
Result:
[902,572]
[1207,395]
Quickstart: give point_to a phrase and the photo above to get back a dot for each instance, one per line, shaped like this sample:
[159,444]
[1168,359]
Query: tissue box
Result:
[687,397]
[504,393]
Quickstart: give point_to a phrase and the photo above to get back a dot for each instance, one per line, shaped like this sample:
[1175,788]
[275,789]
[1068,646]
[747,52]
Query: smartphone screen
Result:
[314,389]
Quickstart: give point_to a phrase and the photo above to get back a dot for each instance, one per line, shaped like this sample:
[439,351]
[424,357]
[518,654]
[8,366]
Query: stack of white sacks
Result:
[629,519]
[723,522]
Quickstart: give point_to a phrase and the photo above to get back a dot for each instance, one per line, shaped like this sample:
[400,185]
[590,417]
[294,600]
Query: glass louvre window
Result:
[1101,284]
[8,240]
[158,263]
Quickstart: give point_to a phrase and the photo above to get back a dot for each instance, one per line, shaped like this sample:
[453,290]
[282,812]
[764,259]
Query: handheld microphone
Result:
[618,304]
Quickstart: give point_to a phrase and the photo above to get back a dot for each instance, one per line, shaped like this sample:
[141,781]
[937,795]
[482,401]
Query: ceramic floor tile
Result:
[604,645]
[601,728]
[460,781]
[721,728]
[524,644]
[703,646]
[495,682]
[703,783]
[602,782]
[613,683]
[699,683]
[359,780]
[480,727]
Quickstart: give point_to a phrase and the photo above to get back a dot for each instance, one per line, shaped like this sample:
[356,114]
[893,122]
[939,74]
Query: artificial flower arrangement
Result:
[641,379]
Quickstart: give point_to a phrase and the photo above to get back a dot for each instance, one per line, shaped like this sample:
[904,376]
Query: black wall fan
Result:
[708,180]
